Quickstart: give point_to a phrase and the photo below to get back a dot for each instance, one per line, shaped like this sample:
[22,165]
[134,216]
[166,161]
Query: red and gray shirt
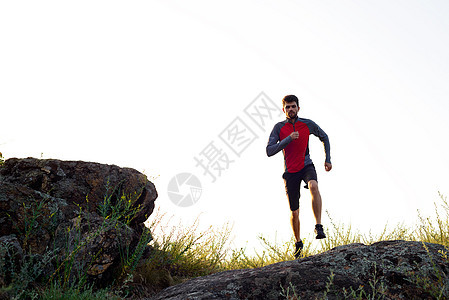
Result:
[296,152]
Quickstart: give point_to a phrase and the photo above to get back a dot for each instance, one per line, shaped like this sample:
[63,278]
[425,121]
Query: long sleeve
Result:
[274,144]
[318,132]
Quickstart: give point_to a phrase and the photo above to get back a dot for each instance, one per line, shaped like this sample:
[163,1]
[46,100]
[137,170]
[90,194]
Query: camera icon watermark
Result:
[184,189]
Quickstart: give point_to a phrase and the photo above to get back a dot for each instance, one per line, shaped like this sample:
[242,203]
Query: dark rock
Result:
[78,181]
[56,210]
[390,270]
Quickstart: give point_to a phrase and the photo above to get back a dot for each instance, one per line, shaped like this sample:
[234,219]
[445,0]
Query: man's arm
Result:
[274,145]
[318,132]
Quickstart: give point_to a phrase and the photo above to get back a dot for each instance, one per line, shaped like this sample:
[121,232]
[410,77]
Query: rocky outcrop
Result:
[81,183]
[82,213]
[384,270]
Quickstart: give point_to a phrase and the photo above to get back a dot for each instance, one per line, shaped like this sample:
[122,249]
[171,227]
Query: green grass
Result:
[56,293]
[185,251]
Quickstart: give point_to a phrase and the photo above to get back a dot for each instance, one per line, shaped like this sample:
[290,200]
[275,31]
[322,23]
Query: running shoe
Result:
[319,231]
[298,245]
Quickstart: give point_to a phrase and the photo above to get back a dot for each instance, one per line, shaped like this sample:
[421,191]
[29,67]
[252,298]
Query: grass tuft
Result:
[186,252]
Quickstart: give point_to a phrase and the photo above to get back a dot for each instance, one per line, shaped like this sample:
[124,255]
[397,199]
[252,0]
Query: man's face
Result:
[291,110]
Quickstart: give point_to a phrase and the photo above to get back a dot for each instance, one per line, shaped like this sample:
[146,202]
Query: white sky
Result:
[149,84]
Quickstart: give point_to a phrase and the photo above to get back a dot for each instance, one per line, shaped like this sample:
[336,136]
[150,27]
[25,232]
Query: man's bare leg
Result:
[295,225]
[316,200]
[316,206]
[294,220]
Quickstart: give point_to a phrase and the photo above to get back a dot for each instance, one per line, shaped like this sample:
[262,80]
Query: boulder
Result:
[82,183]
[84,215]
[384,270]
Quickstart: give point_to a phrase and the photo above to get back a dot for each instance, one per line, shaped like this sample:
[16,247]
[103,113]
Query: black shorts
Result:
[293,183]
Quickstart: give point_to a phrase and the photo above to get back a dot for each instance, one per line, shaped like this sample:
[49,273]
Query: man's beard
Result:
[292,115]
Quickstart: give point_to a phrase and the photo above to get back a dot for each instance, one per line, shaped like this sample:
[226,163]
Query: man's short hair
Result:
[289,99]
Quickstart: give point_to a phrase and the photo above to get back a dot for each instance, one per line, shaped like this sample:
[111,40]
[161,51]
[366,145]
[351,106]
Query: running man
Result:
[292,137]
